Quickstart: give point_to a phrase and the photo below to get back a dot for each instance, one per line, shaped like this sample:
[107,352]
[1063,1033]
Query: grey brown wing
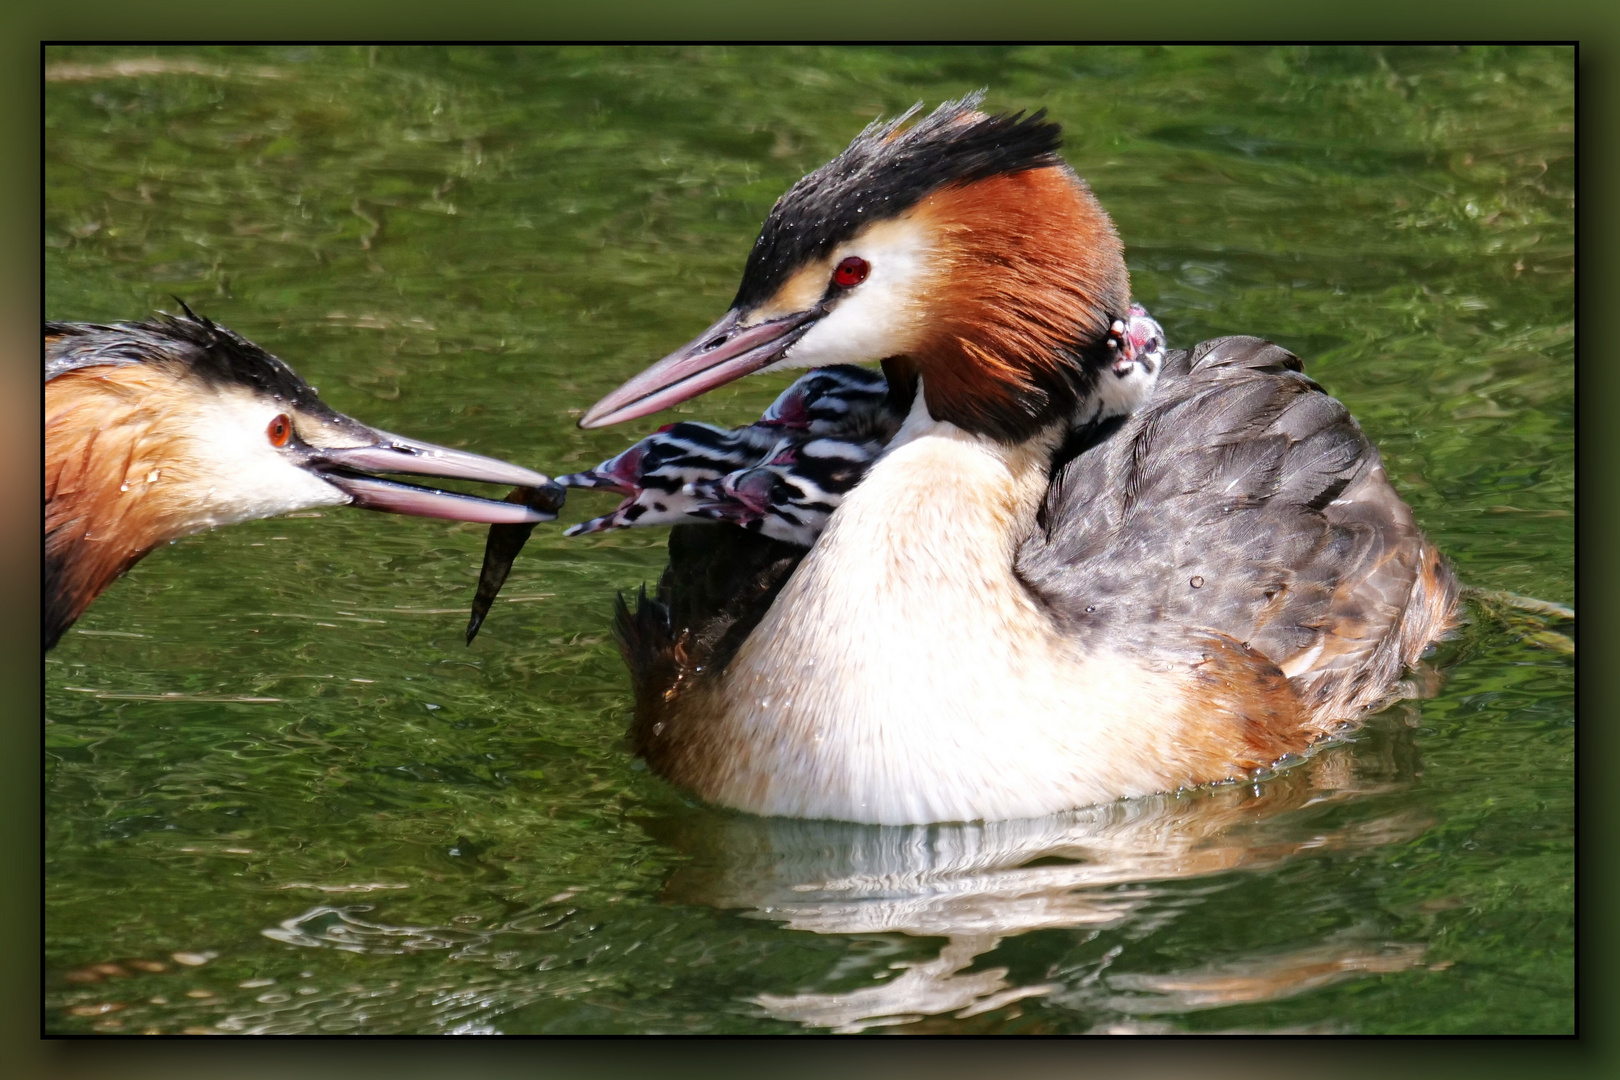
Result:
[1242,501]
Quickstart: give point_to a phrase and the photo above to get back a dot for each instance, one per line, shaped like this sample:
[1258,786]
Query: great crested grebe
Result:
[1055,587]
[157,429]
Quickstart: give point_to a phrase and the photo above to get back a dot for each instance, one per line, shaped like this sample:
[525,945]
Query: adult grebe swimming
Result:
[1055,586]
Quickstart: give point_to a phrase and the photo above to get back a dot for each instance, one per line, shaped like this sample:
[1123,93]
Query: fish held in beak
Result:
[504,543]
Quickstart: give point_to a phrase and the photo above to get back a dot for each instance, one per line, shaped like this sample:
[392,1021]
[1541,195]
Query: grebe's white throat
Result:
[905,674]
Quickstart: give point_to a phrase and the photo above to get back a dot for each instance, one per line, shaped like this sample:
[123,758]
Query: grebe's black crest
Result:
[967,252]
[885,172]
[190,342]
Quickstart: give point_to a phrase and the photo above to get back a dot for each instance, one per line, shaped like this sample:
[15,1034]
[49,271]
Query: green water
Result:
[269,750]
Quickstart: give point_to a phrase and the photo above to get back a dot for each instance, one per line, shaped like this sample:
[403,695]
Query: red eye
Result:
[280,430]
[851,272]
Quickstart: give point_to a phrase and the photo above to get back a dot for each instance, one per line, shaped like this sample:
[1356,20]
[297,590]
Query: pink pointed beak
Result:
[345,468]
[724,352]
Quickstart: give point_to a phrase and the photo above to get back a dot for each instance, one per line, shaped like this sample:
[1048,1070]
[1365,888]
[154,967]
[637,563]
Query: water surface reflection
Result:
[1110,875]
[1121,868]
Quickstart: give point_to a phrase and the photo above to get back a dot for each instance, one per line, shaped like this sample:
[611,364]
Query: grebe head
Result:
[962,248]
[158,429]
[239,434]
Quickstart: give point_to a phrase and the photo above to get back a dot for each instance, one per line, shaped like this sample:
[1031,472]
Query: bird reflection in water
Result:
[1115,869]
[1115,875]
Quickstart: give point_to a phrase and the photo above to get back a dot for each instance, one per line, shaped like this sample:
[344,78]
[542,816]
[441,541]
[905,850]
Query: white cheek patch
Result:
[240,476]
[880,317]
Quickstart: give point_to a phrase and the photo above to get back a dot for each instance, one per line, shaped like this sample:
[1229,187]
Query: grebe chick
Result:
[158,429]
[790,496]
[840,401]
[679,473]
[1003,619]
[1140,344]
[655,474]
[833,421]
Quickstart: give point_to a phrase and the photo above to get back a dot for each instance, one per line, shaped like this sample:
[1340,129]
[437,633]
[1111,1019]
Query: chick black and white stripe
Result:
[1137,344]
[785,474]
[654,475]
[791,496]
[840,402]
[680,472]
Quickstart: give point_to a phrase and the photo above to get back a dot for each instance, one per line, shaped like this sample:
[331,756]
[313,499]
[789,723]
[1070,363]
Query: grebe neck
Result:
[905,674]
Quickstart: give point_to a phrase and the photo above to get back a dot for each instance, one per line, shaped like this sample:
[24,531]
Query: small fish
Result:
[502,547]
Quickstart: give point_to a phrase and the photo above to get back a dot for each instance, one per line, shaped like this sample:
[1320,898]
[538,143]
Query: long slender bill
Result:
[397,454]
[397,498]
[344,468]
[725,351]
